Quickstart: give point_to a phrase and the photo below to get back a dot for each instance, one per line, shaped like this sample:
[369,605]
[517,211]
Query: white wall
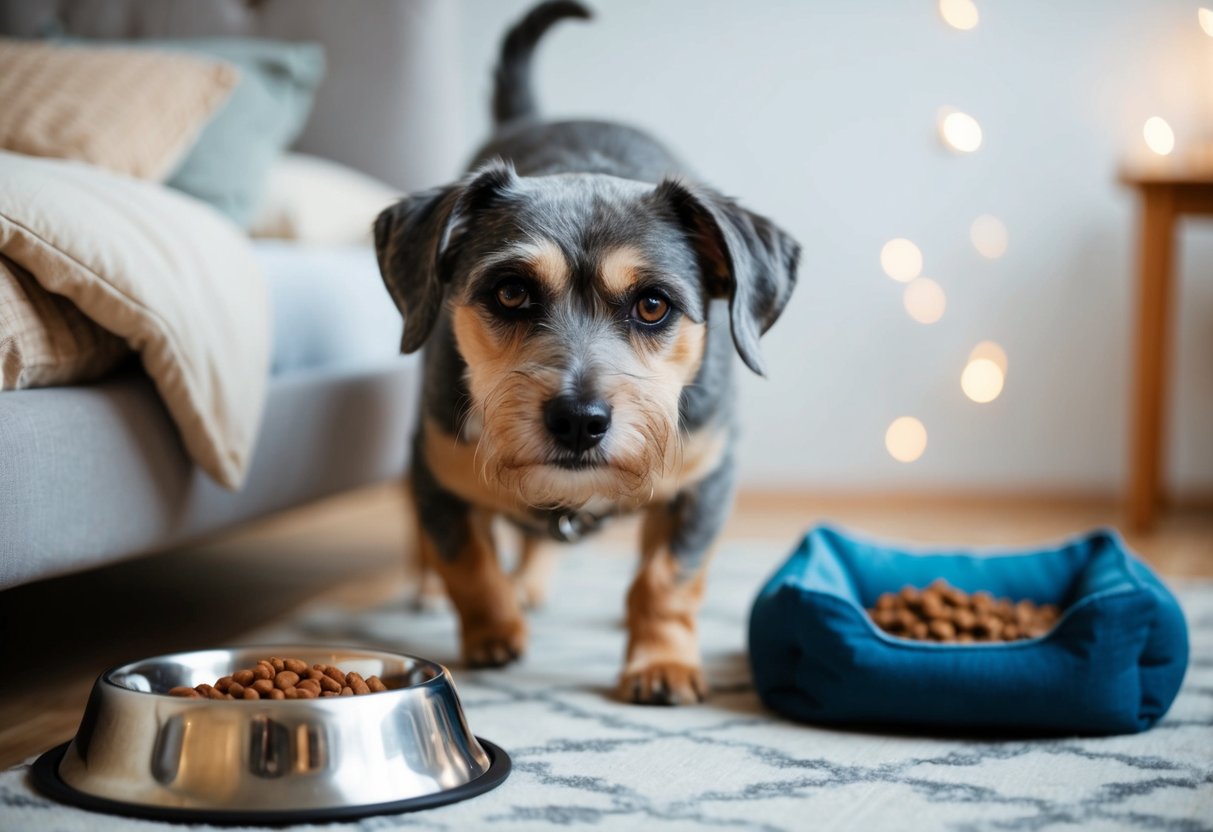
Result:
[822,115]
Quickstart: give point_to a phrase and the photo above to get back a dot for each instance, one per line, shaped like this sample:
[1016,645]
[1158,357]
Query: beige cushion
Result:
[315,200]
[169,275]
[130,111]
[44,339]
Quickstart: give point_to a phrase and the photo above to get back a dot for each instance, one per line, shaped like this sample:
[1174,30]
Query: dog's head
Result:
[578,303]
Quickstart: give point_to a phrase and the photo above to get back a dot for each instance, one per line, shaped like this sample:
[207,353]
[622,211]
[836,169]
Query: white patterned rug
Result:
[582,760]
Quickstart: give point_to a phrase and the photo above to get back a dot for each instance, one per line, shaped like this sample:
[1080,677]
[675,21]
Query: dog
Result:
[580,299]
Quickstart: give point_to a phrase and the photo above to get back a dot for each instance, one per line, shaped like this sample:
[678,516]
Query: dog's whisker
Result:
[627,374]
[461,425]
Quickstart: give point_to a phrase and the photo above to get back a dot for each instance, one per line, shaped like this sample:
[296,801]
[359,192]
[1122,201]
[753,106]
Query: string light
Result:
[960,131]
[906,439]
[990,351]
[989,236]
[1160,138]
[901,260]
[959,14]
[981,380]
[983,377]
[924,300]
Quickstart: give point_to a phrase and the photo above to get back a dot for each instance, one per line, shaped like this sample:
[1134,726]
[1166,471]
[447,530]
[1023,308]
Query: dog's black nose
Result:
[576,423]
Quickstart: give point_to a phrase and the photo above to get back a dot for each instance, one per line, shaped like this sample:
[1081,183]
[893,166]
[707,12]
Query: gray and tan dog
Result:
[578,364]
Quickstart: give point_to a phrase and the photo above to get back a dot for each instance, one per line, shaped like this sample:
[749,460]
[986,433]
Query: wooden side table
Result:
[1165,196]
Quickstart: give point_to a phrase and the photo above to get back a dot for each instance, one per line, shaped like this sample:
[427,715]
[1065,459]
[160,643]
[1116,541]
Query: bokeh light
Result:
[989,236]
[960,131]
[981,380]
[901,260]
[990,351]
[924,300]
[960,14]
[906,439]
[1160,138]
[1205,16]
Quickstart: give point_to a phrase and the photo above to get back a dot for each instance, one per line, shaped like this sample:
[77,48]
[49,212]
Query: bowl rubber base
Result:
[48,782]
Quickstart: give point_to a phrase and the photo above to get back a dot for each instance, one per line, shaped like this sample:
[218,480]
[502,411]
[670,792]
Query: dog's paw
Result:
[427,593]
[495,644]
[663,683]
[532,591]
[428,596]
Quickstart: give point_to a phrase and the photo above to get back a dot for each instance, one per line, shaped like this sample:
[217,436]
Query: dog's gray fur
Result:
[590,187]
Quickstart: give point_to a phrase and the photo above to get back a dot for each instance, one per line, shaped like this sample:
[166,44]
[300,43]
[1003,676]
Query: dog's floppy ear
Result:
[415,240]
[744,257]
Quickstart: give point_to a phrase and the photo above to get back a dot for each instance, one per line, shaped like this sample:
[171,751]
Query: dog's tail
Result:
[512,95]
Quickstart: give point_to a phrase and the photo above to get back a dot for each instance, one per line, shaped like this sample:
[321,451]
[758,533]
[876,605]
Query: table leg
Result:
[1148,409]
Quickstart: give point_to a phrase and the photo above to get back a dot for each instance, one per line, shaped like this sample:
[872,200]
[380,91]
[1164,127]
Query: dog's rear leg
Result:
[536,563]
[663,666]
[420,573]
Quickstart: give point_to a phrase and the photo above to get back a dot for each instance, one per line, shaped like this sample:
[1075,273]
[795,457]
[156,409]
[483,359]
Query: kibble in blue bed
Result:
[1112,664]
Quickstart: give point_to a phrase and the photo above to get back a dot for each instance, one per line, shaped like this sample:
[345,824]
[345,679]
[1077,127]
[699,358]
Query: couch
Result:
[94,473]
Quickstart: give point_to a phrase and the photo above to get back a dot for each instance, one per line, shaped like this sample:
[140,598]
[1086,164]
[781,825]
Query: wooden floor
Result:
[55,636]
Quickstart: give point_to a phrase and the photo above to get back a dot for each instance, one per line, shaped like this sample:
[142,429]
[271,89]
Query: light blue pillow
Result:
[1112,665]
[231,158]
[266,112]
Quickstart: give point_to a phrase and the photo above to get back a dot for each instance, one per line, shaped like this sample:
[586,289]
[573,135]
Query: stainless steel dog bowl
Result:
[141,752]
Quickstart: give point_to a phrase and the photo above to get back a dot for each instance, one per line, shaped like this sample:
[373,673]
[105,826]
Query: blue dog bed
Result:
[1112,665]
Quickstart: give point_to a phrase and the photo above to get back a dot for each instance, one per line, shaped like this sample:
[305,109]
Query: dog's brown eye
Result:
[651,309]
[513,295]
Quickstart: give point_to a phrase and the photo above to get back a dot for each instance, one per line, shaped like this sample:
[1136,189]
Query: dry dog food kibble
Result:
[276,678]
[941,612]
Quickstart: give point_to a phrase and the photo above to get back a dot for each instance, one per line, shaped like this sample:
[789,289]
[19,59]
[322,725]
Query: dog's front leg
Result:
[663,665]
[456,540]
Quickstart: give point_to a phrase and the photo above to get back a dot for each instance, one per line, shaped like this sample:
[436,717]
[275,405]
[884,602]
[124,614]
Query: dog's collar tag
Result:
[569,527]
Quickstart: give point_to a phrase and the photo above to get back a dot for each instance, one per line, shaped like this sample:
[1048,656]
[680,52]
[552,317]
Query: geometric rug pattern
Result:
[582,760]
